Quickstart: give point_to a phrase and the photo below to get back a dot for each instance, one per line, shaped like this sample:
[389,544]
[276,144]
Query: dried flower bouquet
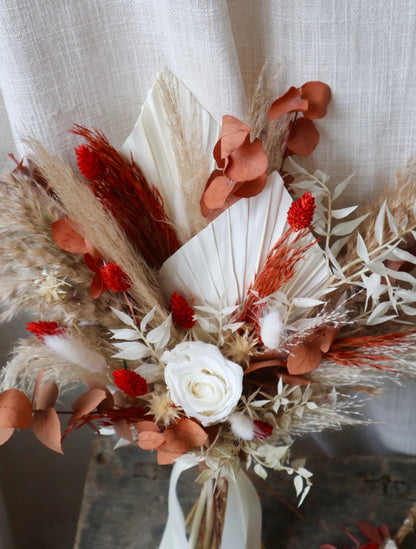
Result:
[208,315]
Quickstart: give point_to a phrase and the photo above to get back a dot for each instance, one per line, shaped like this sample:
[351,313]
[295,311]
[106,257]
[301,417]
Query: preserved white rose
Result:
[202,381]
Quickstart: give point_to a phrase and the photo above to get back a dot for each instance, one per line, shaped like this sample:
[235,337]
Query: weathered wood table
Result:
[125,500]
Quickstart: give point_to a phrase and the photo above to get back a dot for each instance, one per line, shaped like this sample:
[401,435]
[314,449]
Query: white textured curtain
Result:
[93,61]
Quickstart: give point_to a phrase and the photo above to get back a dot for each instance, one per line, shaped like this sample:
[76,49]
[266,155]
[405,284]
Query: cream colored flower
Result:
[202,381]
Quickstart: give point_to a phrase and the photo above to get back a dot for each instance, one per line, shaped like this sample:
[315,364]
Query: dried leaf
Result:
[318,95]
[68,238]
[291,101]
[15,409]
[303,137]
[233,134]
[47,395]
[86,403]
[125,319]
[340,188]
[36,386]
[125,334]
[247,162]
[150,440]
[343,212]
[160,336]
[190,431]
[123,430]
[348,227]
[5,434]
[143,426]
[132,350]
[379,224]
[218,189]
[47,429]
[362,249]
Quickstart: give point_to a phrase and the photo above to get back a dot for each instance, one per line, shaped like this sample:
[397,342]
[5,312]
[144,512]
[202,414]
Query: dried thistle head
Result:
[163,409]
[240,347]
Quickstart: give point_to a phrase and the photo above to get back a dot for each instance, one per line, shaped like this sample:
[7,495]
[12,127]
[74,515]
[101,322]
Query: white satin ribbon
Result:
[242,522]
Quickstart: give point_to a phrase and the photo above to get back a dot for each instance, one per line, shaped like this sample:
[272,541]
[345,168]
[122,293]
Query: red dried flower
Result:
[262,429]
[130,383]
[300,213]
[89,163]
[43,328]
[182,313]
[114,278]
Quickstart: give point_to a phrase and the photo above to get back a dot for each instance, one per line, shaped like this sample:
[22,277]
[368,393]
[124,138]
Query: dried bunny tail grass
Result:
[273,135]
[191,155]
[35,274]
[400,199]
[100,228]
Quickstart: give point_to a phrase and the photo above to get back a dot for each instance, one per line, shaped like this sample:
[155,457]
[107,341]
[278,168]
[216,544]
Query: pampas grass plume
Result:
[73,350]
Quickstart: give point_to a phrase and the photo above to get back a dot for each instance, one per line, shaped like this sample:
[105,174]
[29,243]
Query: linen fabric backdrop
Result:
[93,62]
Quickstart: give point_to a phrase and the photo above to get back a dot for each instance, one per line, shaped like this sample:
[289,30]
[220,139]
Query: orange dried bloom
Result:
[130,383]
[114,278]
[300,213]
[182,313]
[43,328]
[89,163]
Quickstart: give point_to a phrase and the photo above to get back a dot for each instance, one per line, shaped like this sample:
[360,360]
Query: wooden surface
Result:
[125,500]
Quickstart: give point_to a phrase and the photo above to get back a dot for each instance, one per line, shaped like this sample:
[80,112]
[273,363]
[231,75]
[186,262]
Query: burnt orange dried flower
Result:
[300,213]
[114,278]
[182,313]
[130,383]
[89,163]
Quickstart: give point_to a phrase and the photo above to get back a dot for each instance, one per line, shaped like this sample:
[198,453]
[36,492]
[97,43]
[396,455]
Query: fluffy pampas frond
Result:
[191,158]
[35,273]
[273,135]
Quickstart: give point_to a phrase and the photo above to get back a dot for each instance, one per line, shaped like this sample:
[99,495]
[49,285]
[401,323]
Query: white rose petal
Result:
[202,381]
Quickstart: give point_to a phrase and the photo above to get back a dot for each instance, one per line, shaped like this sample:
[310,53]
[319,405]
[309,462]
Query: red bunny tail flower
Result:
[89,163]
[44,328]
[262,429]
[300,213]
[114,278]
[182,313]
[130,383]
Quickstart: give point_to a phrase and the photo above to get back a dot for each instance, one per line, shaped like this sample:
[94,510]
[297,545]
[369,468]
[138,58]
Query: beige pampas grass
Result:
[101,229]
[191,157]
[273,135]
[35,274]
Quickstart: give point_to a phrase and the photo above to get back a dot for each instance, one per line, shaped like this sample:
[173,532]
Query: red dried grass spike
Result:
[182,313]
[300,213]
[43,328]
[137,206]
[114,278]
[130,383]
[262,429]
[278,269]
[89,163]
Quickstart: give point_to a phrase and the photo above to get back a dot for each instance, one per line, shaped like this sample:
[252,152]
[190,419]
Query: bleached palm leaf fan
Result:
[216,266]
